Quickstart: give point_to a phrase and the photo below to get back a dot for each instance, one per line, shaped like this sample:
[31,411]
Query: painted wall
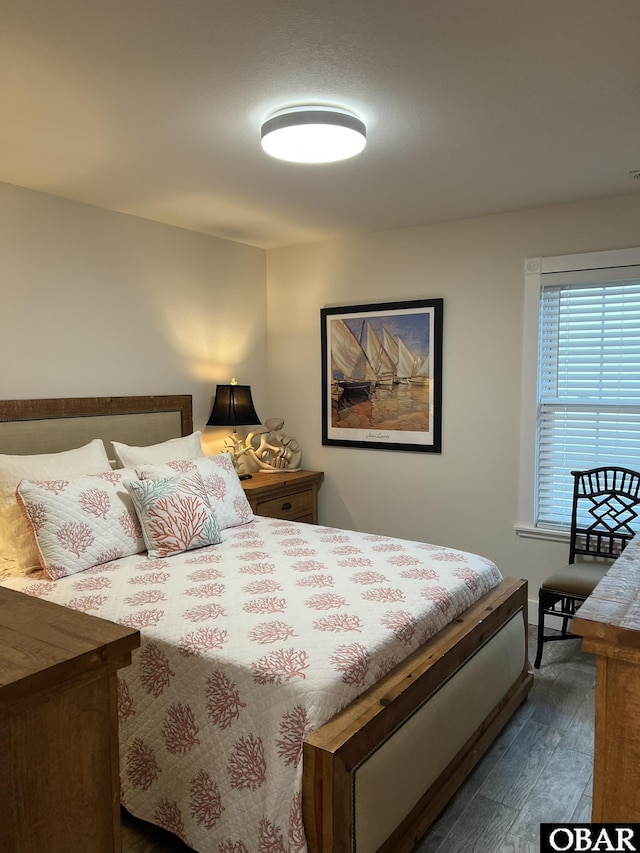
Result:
[97,303]
[467,496]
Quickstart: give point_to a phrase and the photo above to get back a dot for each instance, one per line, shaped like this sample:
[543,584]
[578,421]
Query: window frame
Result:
[602,266]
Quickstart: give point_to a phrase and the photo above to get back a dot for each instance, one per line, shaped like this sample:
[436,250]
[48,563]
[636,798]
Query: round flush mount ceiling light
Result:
[313,134]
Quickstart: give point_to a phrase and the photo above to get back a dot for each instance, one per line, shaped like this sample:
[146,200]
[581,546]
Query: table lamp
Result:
[234,407]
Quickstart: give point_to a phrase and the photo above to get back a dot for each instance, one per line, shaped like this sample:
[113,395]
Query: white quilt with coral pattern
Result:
[247,647]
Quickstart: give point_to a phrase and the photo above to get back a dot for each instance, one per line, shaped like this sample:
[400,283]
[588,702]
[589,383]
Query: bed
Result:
[330,690]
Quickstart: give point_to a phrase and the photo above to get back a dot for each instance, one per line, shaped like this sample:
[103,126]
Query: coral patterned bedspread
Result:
[247,647]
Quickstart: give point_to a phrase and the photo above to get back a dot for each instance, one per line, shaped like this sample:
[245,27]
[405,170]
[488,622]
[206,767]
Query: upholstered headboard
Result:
[49,426]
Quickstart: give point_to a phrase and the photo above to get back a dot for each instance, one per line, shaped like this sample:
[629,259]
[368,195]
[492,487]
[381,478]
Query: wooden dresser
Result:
[59,778]
[292,496]
[609,623]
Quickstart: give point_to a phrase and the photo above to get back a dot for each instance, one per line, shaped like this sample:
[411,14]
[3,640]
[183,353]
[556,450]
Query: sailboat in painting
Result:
[352,370]
[421,372]
[391,348]
[406,362]
[408,367]
[379,359]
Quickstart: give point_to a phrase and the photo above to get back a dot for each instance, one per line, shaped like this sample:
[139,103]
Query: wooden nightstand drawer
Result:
[287,505]
[291,496]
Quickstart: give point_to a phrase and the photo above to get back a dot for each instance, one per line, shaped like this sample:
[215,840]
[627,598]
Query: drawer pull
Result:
[286,505]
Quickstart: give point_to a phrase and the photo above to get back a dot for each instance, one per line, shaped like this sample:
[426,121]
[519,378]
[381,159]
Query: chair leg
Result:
[541,606]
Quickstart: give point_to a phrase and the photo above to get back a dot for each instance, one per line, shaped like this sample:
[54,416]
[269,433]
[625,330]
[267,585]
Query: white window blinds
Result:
[588,382]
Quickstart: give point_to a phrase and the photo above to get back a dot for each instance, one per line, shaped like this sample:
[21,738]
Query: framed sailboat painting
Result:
[382,375]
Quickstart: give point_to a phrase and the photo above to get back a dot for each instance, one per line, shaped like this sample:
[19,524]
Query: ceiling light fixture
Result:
[313,134]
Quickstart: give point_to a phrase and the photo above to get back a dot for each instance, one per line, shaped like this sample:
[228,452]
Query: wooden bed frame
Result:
[335,752]
[378,774]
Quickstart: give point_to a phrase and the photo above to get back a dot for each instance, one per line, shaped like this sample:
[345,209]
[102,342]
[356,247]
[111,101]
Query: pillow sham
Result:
[225,492]
[81,523]
[18,549]
[175,514]
[187,447]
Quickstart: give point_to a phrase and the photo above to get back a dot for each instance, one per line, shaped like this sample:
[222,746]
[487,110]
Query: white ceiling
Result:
[153,108]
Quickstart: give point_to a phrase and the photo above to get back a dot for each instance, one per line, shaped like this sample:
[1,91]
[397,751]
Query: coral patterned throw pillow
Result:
[224,490]
[80,523]
[175,514]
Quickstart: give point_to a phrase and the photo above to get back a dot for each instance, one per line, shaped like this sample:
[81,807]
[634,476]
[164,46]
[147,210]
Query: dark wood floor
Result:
[539,769]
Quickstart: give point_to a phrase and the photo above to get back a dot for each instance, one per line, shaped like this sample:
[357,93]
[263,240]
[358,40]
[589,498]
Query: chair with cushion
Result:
[604,518]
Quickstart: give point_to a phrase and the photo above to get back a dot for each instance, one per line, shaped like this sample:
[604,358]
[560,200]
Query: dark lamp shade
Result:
[233,406]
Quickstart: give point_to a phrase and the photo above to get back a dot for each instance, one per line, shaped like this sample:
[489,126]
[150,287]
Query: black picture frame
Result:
[382,375]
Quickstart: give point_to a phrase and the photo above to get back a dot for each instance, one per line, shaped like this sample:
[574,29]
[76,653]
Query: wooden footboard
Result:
[476,666]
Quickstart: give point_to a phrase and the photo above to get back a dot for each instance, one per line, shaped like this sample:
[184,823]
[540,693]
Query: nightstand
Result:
[59,779]
[292,496]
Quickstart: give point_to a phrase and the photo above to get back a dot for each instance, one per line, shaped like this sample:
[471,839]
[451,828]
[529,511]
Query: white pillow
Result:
[226,495]
[81,523]
[17,546]
[187,447]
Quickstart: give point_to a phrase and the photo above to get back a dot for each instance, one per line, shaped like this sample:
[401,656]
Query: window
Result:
[584,340]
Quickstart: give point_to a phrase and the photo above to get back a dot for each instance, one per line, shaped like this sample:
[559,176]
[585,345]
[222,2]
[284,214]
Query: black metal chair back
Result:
[605,502]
